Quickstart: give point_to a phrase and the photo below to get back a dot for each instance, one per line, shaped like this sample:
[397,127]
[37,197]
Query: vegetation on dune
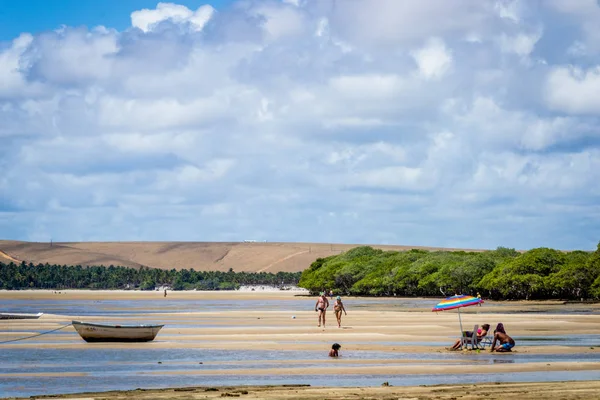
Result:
[503,273]
[45,276]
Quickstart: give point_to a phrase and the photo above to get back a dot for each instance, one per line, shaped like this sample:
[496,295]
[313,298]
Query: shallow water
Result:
[129,307]
[119,308]
[124,368]
[117,381]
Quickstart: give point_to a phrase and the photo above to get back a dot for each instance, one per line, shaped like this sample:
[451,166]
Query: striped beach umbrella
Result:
[458,301]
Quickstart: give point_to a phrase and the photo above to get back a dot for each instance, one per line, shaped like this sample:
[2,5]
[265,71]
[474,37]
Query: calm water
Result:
[106,369]
[125,308]
[110,368]
[102,382]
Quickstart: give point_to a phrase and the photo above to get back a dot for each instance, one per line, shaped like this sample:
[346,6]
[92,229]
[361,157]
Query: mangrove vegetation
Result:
[540,273]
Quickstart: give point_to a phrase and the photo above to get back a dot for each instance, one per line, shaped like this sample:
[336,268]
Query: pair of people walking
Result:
[323,303]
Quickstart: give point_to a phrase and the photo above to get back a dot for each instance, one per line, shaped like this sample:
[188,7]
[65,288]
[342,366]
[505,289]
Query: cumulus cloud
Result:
[147,19]
[433,60]
[574,89]
[424,123]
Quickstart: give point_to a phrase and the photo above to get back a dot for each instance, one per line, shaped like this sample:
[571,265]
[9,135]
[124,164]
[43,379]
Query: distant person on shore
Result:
[334,350]
[505,342]
[331,294]
[321,307]
[480,335]
[338,307]
[165,292]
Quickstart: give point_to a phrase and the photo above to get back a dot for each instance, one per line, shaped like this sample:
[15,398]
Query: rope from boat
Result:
[36,335]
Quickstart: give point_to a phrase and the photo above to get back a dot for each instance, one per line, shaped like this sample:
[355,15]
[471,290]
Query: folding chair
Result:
[486,340]
[472,340]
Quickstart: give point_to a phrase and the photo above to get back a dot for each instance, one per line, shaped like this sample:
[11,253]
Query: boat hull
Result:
[20,316]
[116,333]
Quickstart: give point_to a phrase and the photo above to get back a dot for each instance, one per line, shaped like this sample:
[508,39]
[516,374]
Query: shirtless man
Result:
[321,306]
[505,342]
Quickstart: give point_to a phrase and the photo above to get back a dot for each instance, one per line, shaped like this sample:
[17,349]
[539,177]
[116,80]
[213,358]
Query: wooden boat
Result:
[91,332]
[20,315]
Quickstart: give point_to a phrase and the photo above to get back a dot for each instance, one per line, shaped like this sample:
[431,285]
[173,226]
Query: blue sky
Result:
[468,123]
[35,16]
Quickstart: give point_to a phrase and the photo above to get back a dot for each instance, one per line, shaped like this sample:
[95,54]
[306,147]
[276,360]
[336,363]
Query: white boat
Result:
[20,315]
[91,332]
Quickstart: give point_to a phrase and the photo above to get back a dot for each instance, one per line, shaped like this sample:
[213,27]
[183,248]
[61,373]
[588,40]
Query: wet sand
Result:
[370,327]
[521,391]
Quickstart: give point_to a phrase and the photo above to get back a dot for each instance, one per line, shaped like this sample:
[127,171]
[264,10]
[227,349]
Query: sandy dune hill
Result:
[202,256]
[58,254]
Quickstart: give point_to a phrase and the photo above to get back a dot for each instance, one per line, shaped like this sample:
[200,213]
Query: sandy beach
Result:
[278,331]
[521,391]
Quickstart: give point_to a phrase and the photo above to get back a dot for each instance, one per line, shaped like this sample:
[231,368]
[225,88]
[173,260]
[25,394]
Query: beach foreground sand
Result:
[522,391]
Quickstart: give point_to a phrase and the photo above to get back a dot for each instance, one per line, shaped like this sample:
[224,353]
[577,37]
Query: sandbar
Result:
[522,391]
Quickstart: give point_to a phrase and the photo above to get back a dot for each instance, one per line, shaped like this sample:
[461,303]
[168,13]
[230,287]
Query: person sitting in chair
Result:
[480,335]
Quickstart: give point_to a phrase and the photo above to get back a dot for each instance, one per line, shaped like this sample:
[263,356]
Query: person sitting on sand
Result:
[321,306]
[506,343]
[334,350]
[480,335]
[338,307]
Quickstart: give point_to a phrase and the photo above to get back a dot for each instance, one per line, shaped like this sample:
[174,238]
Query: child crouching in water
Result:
[334,350]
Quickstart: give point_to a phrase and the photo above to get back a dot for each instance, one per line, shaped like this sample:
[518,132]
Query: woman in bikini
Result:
[480,335]
[321,306]
[338,307]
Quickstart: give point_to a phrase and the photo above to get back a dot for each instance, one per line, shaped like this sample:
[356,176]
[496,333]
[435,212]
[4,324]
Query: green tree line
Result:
[540,273]
[46,276]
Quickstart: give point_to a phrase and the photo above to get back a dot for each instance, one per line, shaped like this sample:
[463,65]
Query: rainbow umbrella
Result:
[458,301]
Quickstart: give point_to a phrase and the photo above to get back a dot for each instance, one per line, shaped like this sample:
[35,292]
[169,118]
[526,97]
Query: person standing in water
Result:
[321,306]
[338,307]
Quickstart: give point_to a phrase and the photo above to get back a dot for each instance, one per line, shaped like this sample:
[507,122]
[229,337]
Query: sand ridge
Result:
[202,256]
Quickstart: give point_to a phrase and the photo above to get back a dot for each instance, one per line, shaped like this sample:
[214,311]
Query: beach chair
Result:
[465,341]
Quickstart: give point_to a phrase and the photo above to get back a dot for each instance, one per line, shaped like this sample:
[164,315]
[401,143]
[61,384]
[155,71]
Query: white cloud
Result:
[489,124]
[398,177]
[160,113]
[71,56]
[522,44]
[434,59]
[367,86]
[11,80]
[281,21]
[146,19]
[574,89]
[405,21]
[424,122]
[188,176]
[584,14]
[509,10]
